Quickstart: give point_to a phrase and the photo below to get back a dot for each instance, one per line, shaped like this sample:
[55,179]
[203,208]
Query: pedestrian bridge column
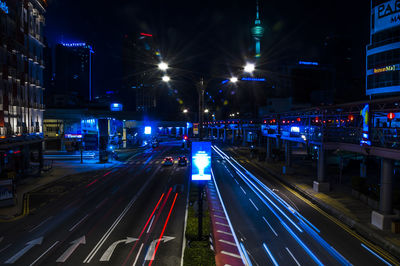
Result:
[212,133]
[384,217]
[233,136]
[321,185]
[225,134]
[218,134]
[177,131]
[244,137]
[268,148]
[288,157]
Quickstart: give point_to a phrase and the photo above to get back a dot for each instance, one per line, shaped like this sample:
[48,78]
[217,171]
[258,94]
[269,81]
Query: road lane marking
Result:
[116,222]
[219,216]
[270,255]
[81,220]
[222,224]
[1,250]
[376,255]
[28,246]
[137,256]
[243,190]
[101,203]
[71,249]
[246,254]
[290,253]
[230,254]
[236,181]
[272,229]
[227,242]
[44,253]
[254,205]
[110,250]
[152,247]
[37,226]
[151,222]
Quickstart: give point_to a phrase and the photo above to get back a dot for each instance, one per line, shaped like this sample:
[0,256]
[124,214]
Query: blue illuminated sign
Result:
[253,79]
[78,44]
[4,7]
[116,107]
[201,161]
[365,141]
[225,81]
[308,63]
[147,130]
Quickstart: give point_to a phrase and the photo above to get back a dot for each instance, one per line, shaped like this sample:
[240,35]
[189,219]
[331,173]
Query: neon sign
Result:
[253,79]
[308,63]
[4,7]
[385,69]
[201,161]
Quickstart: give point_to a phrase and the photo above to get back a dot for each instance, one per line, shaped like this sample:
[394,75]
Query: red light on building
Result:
[391,116]
[351,117]
[146,34]
[265,121]
[284,121]
[298,119]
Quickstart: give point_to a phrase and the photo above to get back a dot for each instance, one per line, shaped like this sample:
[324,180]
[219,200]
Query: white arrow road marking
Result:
[29,245]
[137,256]
[153,244]
[71,249]
[108,253]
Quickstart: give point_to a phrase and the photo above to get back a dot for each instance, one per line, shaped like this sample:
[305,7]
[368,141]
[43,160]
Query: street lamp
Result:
[163,66]
[249,68]
[166,78]
[233,79]
[206,111]
[185,111]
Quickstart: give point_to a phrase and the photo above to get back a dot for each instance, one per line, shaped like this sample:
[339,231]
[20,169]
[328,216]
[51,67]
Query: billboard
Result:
[201,161]
[386,15]
[195,128]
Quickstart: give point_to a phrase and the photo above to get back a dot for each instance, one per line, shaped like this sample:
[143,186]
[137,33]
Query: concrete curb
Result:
[354,225]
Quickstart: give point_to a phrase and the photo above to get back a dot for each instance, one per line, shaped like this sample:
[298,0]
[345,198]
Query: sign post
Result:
[201,172]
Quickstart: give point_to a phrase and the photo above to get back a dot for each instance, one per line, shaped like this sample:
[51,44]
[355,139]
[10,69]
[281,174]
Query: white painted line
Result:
[222,232]
[221,224]
[231,254]
[227,242]
[254,205]
[37,226]
[270,227]
[137,256]
[219,216]
[81,220]
[236,181]
[6,247]
[151,222]
[44,253]
[101,203]
[290,253]
[117,221]
[243,190]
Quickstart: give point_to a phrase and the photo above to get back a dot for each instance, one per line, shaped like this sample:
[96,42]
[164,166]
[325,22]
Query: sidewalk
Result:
[338,202]
[59,170]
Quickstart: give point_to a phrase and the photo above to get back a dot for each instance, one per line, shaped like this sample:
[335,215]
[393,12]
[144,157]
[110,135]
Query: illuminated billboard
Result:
[386,15]
[201,161]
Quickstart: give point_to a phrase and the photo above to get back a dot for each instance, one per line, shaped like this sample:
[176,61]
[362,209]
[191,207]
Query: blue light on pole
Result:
[201,161]
[147,130]
[4,7]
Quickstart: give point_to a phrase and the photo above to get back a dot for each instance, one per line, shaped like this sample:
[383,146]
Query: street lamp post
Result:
[201,90]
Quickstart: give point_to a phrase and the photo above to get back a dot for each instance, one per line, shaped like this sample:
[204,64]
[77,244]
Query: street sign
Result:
[201,161]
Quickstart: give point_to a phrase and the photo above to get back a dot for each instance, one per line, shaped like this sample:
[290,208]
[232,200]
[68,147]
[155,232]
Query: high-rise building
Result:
[72,74]
[257,32]
[383,52]
[21,83]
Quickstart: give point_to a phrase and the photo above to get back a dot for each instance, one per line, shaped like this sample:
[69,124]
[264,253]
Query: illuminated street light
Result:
[234,79]
[166,78]
[206,111]
[249,68]
[163,66]
[185,111]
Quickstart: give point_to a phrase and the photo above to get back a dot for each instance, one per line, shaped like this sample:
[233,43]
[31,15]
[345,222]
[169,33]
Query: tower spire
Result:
[257,14]
[257,32]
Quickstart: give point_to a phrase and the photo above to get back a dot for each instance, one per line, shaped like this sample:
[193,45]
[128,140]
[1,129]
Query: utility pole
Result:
[201,90]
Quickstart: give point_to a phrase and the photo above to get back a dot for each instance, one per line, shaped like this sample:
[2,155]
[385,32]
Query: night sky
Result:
[207,37]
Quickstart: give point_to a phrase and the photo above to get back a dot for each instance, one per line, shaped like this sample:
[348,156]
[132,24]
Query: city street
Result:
[132,214]
[276,225]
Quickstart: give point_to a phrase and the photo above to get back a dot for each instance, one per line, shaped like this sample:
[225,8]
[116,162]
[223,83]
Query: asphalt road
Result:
[276,226]
[129,215]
